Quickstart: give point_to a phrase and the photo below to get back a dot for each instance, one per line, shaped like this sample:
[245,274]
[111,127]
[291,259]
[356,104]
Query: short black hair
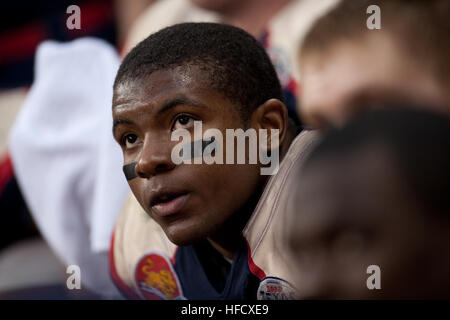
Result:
[418,140]
[236,64]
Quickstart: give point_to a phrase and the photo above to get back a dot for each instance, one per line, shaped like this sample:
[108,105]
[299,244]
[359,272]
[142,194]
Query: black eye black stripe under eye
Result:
[197,150]
[129,171]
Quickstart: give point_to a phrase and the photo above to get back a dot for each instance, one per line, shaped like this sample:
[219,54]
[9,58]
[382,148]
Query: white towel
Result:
[66,161]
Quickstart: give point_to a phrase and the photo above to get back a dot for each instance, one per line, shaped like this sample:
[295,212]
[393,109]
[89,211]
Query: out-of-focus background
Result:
[29,268]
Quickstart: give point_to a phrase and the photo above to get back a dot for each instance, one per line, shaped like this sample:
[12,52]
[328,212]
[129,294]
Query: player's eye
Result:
[183,122]
[130,140]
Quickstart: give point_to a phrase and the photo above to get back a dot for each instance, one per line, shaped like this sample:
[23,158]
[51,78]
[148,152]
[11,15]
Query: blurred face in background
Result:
[353,211]
[221,6]
[373,69]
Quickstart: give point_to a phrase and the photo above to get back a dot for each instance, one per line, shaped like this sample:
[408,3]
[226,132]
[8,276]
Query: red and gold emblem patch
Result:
[156,279]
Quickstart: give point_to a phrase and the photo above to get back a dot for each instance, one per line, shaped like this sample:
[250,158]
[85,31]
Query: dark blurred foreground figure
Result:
[375,192]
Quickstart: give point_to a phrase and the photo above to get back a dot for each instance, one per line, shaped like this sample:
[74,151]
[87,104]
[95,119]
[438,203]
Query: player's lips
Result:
[166,203]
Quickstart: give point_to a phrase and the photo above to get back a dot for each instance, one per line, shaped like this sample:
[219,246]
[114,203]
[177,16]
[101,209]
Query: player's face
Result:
[189,201]
[352,213]
[352,72]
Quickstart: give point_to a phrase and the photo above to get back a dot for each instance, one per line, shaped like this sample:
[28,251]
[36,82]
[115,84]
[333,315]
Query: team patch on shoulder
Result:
[156,279]
[272,288]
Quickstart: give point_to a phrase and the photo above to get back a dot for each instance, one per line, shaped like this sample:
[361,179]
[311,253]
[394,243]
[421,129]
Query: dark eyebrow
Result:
[179,101]
[166,107]
[119,121]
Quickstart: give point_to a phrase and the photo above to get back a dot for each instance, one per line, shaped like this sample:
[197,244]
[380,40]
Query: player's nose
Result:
[155,158]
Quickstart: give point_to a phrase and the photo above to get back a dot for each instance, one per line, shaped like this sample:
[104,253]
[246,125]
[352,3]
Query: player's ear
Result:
[272,114]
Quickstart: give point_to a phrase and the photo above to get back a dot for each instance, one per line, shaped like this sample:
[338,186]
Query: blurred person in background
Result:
[343,63]
[24,26]
[374,193]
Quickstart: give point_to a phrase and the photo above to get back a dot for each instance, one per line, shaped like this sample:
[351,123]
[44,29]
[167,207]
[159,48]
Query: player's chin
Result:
[184,233]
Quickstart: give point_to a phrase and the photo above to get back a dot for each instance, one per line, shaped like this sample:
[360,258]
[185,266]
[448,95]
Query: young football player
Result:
[188,241]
